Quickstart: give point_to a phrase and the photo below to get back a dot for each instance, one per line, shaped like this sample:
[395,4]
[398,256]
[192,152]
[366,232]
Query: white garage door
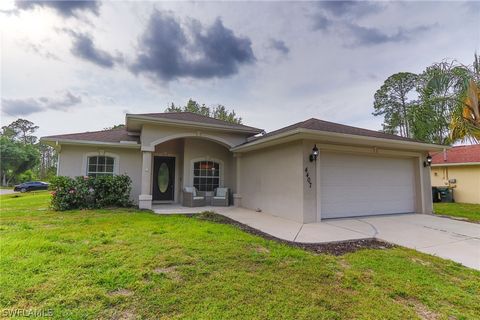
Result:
[356,185]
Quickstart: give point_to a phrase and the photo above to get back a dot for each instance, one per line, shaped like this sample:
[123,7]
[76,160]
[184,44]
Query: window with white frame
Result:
[206,175]
[100,165]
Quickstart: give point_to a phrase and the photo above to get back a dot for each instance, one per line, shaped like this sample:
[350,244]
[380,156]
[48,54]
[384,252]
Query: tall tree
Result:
[219,112]
[20,153]
[16,157]
[447,109]
[21,130]
[48,160]
[439,89]
[173,108]
[465,122]
[393,101]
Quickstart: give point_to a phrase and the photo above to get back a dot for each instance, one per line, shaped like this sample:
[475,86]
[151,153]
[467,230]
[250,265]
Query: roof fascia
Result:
[55,142]
[457,164]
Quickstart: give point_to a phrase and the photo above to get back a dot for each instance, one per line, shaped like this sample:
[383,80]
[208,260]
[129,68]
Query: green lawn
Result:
[128,264]
[467,211]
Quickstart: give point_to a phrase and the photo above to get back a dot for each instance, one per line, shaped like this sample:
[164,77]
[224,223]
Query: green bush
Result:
[26,176]
[90,193]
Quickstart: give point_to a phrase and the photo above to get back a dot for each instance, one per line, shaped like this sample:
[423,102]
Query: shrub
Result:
[90,193]
[27,175]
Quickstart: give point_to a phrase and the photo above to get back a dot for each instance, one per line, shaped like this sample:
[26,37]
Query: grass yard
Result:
[128,264]
[468,211]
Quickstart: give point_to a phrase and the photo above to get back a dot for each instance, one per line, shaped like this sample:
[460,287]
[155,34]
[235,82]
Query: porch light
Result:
[428,163]
[314,155]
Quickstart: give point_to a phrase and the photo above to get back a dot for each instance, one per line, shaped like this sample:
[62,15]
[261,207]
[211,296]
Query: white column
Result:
[237,198]
[145,198]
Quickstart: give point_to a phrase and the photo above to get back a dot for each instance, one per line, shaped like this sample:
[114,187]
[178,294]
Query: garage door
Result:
[356,185]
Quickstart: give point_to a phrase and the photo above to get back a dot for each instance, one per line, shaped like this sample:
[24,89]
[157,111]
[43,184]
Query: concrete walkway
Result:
[6,191]
[443,237]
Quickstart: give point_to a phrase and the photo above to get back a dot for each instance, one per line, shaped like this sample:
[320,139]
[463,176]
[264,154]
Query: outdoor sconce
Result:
[428,163]
[314,155]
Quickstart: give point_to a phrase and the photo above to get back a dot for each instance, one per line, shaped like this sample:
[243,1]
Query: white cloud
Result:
[319,78]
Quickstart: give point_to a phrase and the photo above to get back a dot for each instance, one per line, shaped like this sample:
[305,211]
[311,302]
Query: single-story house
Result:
[458,168]
[355,172]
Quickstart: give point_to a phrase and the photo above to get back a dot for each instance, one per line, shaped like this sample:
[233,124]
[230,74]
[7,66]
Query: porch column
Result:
[237,198]
[145,198]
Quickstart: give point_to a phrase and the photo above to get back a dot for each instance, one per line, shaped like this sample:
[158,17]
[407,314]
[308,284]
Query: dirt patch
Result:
[120,293]
[260,249]
[124,315]
[422,262]
[420,309]
[333,248]
[170,272]
[343,263]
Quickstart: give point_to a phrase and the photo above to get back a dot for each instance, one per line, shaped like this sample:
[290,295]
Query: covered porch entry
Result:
[171,165]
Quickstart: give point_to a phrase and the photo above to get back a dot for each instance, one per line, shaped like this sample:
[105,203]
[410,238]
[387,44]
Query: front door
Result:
[163,178]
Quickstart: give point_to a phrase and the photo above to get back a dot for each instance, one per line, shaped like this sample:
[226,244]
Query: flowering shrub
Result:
[90,193]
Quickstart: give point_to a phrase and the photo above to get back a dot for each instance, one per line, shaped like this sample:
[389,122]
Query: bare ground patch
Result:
[120,293]
[170,272]
[420,309]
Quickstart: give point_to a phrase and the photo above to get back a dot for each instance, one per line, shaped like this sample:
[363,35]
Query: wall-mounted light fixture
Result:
[428,162]
[314,155]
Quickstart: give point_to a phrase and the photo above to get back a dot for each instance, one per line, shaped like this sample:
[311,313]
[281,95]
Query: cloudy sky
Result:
[76,66]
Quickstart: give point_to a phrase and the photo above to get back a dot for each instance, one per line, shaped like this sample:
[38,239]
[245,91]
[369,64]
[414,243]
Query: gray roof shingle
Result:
[194,117]
[320,125]
[113,135]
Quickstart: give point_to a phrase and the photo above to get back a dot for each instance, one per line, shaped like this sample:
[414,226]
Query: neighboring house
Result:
[459,168]
[358,172]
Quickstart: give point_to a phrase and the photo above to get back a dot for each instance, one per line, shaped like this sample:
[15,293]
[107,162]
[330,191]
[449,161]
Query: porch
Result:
[191,161]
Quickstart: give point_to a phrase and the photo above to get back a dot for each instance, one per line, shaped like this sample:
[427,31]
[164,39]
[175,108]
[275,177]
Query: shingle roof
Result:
[320,125]
[113,135]
[198,118]
[460,154]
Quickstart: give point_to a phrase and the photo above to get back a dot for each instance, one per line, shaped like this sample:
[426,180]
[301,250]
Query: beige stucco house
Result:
[355,172]
[458,168]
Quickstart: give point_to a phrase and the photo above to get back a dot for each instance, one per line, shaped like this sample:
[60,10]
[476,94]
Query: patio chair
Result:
[191,198]
[220,197]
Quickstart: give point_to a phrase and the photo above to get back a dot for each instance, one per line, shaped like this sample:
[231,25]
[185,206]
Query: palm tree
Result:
[455,89]
[465,123]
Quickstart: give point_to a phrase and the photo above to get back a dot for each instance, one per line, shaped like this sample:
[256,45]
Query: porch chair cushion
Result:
[192,190]
[221,193]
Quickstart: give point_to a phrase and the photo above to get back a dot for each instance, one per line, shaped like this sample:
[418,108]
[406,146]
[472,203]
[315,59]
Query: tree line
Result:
[440,105]
[22,157]
[218,112]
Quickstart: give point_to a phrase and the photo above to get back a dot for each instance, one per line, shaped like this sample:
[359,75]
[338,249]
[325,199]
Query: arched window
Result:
[206,175]
[100,165]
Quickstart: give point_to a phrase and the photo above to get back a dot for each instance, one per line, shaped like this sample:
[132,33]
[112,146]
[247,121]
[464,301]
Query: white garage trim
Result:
[352,184]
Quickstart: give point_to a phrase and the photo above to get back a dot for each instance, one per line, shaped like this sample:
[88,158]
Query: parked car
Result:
[31,186]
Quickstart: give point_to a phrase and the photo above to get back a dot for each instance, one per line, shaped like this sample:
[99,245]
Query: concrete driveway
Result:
[443,237]
[6,191]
